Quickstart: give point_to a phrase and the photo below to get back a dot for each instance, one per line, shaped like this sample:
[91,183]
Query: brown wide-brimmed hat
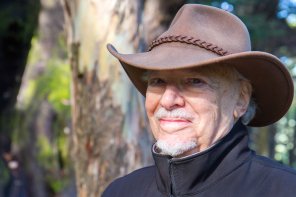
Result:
[202,36]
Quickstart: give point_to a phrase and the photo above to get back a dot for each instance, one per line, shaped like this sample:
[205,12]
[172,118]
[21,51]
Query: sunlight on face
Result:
[190,109]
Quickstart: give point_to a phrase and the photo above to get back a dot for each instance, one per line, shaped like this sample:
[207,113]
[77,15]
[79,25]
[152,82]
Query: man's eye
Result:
[155,82]
[194,81]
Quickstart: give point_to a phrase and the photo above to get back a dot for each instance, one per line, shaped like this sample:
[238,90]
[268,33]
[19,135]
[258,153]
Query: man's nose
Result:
[172,98]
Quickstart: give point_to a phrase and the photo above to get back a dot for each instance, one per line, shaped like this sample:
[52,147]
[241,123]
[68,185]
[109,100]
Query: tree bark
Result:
[105,107]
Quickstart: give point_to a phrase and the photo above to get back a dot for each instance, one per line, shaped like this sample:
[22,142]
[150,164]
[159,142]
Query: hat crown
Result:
[211,25]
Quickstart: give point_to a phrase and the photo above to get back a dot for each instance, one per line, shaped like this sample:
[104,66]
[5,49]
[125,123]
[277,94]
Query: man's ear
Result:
[243,99]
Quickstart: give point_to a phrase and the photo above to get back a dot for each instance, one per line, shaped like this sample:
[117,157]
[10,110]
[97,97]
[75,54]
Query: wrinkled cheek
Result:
[151,104]
[148,108]
[154,127]
[214,109]
[214,115]
[207,117]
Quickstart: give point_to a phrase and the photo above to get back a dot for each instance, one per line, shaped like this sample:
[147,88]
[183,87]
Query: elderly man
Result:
[202,82]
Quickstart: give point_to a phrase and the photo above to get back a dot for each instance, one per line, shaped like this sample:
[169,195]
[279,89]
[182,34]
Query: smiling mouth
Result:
[173,120]
[171,125]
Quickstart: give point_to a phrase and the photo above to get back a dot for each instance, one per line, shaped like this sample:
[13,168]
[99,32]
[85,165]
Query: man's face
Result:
[190,109]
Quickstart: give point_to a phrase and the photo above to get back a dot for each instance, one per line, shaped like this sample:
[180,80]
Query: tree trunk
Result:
[105,107]
[110,129]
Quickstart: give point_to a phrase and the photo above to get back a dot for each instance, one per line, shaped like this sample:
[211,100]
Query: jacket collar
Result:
[199,171]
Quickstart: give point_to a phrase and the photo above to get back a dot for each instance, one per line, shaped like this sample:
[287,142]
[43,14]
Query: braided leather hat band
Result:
[189,40]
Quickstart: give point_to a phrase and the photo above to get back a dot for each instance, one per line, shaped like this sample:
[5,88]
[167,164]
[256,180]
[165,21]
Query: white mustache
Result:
[175,113]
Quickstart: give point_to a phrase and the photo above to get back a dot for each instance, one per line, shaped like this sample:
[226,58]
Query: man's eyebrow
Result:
[214,83]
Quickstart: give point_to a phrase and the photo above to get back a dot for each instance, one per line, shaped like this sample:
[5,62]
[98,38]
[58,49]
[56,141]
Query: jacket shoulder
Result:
[279,179]
[138,180]
[274,166]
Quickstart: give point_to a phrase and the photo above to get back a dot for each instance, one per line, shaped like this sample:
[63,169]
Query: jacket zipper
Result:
[171,178]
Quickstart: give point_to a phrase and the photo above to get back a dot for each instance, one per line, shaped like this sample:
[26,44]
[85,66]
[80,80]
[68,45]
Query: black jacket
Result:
[227,169]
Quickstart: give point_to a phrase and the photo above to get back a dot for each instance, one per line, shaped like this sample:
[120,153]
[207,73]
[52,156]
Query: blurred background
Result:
[70,120]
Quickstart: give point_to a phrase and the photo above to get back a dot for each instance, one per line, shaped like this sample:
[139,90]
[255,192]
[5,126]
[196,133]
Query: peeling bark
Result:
[97,126]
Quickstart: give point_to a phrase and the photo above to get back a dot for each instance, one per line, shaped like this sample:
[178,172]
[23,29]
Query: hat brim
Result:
[272,84]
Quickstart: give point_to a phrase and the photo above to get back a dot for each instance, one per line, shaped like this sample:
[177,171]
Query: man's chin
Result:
[175,149]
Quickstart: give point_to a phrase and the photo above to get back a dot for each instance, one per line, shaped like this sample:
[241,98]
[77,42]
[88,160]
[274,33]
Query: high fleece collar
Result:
[196,173]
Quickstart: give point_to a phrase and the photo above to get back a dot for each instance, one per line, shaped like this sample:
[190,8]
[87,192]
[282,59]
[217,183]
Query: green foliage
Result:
[57,184]
[34,55]
[205,2]
[46,152]
[4,174]
[63,147]
[284,138]
[290,62]
[48,158]
[47,81]
[55,85]
[260,31]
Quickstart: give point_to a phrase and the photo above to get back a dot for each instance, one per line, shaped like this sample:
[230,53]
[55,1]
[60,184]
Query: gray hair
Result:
[248,116]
